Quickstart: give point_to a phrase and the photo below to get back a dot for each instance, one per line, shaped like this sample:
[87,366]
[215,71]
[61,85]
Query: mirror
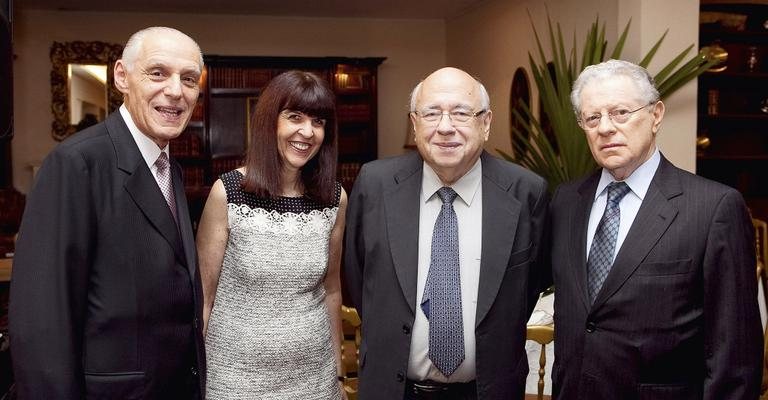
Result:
[87,94]
[76,91]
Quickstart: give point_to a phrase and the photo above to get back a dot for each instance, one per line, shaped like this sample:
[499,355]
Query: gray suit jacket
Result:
[381,269]
[677,316]
[105,294]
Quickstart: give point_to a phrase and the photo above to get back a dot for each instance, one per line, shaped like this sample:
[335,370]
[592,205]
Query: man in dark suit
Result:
[441,251]
[105,293]
[654,268]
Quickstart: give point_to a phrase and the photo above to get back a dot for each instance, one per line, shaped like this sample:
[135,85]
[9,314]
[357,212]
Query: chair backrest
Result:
[761,240]
[762,277]
[11,209]
[542,334]
[761,249]
[350,349]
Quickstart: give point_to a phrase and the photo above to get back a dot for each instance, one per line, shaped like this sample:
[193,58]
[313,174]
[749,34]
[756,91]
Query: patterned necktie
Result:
[601,252]
[166,183]
[441,301]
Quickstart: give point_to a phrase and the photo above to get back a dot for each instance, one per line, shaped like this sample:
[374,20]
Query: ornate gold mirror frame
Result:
[64,53]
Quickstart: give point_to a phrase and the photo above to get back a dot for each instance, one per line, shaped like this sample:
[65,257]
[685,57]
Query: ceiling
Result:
[397,9]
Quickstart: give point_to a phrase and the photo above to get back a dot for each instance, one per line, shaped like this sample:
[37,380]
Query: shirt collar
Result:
[148,149]
[638,181]
[466,187]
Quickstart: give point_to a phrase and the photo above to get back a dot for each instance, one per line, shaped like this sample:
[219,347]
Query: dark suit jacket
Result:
[381,269]
[677,316]
[105,293]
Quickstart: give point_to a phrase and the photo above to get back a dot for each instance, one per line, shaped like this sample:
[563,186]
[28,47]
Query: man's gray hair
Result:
[133,46]
[485,100]
[644,81]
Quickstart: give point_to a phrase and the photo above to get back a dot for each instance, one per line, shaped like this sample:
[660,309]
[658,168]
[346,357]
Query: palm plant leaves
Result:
[564,155]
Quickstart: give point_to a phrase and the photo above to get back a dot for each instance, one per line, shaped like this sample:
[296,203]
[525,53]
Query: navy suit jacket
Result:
[105,292]
[677,316]
[381,272]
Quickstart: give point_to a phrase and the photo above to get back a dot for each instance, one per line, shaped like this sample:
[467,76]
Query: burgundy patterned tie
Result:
[166,183]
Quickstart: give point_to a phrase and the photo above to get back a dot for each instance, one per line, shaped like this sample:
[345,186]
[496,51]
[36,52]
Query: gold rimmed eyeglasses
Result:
[617,116]
[456,117]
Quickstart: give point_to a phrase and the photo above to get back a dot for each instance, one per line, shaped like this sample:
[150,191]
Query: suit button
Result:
[591,326]
[400,376]
[193,371]
[406,329]
[196,323]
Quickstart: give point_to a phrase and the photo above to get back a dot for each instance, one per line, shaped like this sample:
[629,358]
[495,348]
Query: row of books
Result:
[353,112]
[186,145]
[193,176]
[197,113]
[222,165]
[233,77]
[347,173]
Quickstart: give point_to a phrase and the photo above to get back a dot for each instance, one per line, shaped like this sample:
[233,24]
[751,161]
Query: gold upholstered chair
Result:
[350,349]
[761,250]
[543,335]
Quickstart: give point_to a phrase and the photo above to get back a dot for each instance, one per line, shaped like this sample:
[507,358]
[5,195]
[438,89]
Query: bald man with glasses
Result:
[441,256]
[654,268]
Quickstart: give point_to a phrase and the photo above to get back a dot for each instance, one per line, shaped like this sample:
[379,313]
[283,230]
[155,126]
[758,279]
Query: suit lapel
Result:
[578,246]
[401,206]
[500,216]
[141,185]
[185,225]
[652,220]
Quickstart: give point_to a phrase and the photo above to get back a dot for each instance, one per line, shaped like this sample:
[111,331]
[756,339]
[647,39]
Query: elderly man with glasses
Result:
[654,268]
[441,255]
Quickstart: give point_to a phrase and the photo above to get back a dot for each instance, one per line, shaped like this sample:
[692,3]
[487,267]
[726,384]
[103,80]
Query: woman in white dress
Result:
[269,245]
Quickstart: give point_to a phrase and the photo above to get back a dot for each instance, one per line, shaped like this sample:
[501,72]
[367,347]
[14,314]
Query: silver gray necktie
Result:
[601,252]
[441,301]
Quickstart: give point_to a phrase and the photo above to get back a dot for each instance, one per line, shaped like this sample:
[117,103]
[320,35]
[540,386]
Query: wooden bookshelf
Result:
[733,100]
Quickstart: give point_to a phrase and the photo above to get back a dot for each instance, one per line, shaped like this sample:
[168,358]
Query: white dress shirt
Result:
[638,183]
[469,212]
[149,149]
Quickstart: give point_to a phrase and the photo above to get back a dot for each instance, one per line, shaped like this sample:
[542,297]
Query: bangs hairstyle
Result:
[295,91]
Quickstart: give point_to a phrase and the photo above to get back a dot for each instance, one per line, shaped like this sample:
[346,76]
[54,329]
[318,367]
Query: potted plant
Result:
[553,145]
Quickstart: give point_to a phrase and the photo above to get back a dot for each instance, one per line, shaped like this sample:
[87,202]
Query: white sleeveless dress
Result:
[269,333]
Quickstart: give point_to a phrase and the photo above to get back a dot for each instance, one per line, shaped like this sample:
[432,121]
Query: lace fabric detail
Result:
[314,222]
[269,332]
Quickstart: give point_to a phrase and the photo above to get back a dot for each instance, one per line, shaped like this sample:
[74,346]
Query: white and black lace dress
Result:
[269,333]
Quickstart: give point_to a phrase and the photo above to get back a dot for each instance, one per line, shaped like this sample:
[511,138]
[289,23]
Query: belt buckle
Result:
[429,387]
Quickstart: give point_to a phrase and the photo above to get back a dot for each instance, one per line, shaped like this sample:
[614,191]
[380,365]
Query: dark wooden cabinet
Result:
[732,143]
[216,138]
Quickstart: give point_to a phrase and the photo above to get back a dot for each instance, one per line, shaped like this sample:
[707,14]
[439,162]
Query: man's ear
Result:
[121,77]
[658,115]
[487,117]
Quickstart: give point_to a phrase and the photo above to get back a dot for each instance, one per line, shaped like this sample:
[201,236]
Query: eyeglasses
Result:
[618,116]
[456,117]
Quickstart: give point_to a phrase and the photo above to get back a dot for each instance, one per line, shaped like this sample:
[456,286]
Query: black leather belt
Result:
[434,390]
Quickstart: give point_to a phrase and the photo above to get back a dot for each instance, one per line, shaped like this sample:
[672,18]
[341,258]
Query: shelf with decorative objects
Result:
[732,143]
